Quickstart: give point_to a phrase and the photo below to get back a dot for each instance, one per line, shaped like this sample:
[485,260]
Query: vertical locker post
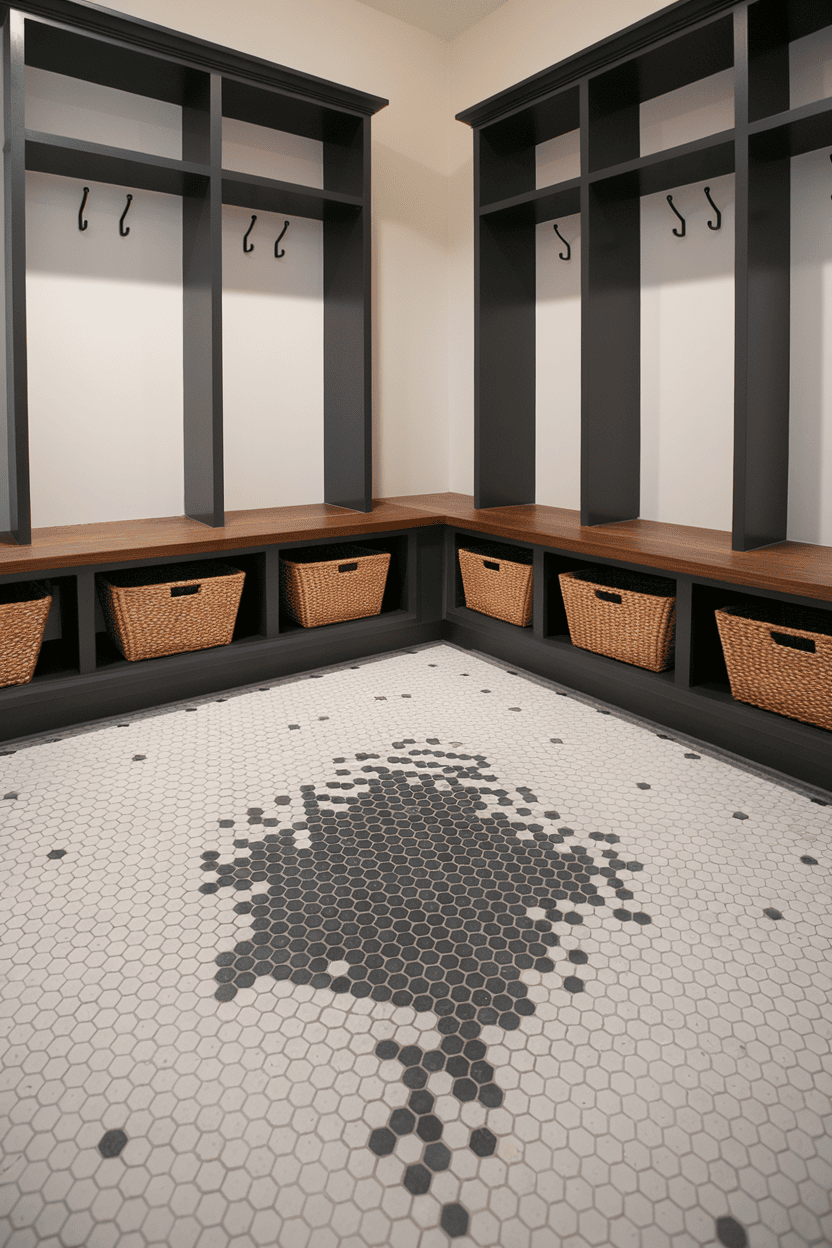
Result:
[763,256]
[610,304]
[202,301]
[15,503]
[504,336]
[348,472]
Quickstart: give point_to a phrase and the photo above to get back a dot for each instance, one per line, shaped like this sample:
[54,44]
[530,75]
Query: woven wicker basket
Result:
[167,610]
[330,584]
[23,611]
[625,615]
[779,657]
[498,582]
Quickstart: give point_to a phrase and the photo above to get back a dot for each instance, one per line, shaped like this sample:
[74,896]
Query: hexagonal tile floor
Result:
[415,951]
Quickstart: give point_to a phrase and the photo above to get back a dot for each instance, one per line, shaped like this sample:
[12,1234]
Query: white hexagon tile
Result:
[414,951]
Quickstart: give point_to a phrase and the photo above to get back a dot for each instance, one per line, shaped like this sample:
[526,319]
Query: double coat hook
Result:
[712,225]
[279,251]
[568,255]
[82,224]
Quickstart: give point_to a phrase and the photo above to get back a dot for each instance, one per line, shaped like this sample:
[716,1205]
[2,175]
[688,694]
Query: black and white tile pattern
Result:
[414,951]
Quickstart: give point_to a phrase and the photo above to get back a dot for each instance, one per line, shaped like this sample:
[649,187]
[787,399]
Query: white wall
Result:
[558,344]
[273,331]
[687,322]
[687,360]
[273,377]
[104,324]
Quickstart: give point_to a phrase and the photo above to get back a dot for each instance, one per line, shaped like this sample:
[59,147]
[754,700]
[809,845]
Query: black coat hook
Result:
[678,233]
[247,246]
[122,231]
[711,225]
[82,224]
[282,252]
[568,255]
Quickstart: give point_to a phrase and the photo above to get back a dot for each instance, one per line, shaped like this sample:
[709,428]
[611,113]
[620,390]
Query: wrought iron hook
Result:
[122,231]
[282,252]
[679,233]
[82,224]
[711,225]
[247,246]
[568,255]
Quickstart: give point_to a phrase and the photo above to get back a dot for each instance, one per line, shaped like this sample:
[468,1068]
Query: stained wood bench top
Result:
[787,567]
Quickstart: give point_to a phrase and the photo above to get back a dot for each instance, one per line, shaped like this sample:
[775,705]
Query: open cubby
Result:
[492,549]
[58,656]
[395,600]
[250,622]
[555,625]
[708,668]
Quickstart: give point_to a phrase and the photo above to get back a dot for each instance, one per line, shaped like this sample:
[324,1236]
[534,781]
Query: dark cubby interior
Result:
[506,149]
[64,51]
[555,626]
[614,97]
[395,591]
[772,26]
[59,652]
[707,662]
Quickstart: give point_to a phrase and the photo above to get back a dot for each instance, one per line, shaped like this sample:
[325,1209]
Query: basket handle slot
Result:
[491,565]
[607,597]
[794,643]
[347,567]
[180,591]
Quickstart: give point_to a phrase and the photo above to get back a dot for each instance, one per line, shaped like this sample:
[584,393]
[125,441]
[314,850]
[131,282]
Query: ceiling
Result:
[444,18]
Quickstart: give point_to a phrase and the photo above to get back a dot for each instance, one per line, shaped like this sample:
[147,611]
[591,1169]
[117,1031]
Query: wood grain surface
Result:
[787,567]
[175,536]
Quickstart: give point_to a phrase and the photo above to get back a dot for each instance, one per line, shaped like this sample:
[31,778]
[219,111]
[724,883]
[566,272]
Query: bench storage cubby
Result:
[779,657]
[629,616]
[331,584]
[151,612]
[498,581]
